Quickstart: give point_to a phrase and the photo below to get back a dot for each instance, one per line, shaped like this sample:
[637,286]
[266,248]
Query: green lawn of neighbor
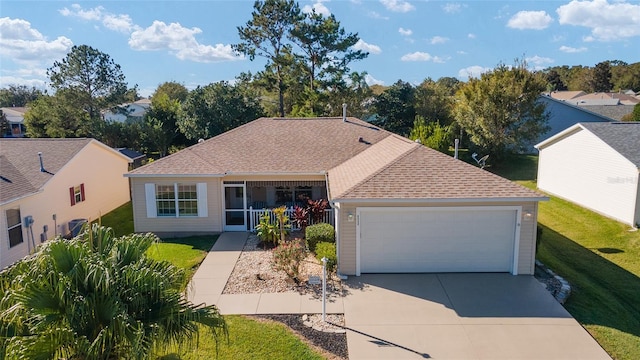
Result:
[248,338]
[600,257]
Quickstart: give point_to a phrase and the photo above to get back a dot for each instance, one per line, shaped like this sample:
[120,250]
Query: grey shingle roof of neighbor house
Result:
[624,137]
[615,112]
[20,173]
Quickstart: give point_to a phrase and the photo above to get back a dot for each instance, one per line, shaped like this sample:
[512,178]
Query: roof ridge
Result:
[375,173]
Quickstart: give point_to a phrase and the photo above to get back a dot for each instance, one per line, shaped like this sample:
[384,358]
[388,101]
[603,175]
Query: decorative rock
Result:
[305,317]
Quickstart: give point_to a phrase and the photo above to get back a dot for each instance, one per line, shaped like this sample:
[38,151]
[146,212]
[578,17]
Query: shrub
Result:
[322,232]
[287,257]
[328,250]
[283,221]
[316,209]
[300,217]
[266,230]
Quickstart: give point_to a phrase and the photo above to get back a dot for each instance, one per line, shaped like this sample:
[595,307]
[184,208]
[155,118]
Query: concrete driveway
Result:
[460,316]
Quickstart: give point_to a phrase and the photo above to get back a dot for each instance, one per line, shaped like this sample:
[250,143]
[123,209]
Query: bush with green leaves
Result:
[98,296]
[322,232]
[327,250]
[288,256]
[266,230]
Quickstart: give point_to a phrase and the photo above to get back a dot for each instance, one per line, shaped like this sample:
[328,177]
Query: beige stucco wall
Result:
[347,232]
[190,225]
[101,171]
[177,225]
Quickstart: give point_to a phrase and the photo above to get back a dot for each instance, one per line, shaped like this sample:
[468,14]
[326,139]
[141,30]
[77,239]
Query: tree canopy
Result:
[18,95]
[500,110]
[216,108]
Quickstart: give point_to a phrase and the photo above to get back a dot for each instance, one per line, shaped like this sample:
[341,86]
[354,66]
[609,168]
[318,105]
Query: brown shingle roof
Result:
[273,145]
[361,161]
[20,166]
[424,173]
[352,172]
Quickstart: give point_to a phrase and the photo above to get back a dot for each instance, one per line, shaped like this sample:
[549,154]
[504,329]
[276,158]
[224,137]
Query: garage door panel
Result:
[443,240]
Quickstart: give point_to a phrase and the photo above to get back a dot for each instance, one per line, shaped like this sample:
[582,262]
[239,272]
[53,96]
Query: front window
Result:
[177,200]
[14,225]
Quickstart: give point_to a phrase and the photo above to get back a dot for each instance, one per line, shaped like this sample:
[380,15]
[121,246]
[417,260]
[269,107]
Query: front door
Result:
[235,210]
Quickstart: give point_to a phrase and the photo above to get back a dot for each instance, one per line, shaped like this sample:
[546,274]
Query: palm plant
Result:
[98,297]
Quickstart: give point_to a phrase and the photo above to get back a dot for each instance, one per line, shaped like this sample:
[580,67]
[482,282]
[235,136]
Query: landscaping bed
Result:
[254,274]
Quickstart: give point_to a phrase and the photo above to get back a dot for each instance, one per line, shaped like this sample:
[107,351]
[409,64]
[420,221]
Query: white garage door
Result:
[463,239]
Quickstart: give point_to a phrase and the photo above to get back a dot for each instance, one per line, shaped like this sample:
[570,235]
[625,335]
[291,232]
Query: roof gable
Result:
[424,173]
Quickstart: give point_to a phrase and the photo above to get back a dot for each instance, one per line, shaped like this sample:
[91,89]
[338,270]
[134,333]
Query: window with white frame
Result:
[176,200]
[14,226]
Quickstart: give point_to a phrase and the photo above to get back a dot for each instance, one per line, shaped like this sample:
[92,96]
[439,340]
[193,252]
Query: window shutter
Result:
[150,198]
[72,195]
[203,209]
[82,192]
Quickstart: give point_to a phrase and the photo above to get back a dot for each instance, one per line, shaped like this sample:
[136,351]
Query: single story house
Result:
[48,184]
[15,120]
[564,114]
[595,165]
[397,205]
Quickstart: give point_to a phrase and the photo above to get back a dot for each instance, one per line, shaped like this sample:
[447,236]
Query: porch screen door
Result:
[235,210]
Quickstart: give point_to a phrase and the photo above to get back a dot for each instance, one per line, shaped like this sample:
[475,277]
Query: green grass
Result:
[119,219]
[600,257]
[186,253]
[248,339]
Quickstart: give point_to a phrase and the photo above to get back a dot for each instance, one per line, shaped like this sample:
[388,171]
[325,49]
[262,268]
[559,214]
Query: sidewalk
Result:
[209,280]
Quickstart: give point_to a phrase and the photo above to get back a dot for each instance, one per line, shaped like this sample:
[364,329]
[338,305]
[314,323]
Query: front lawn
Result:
[600,257]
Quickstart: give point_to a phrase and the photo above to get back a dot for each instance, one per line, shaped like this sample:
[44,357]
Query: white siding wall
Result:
[583,169]
[101,171]
[209,221]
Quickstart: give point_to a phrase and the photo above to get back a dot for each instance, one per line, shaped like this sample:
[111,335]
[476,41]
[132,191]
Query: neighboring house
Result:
[136,159]
[612,105]
[39,196]
[397,206]
[15,118]
[133,111]
[595,165]
[564,114]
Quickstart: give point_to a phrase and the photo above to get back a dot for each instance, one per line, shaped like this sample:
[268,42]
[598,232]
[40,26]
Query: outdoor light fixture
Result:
[527,215]
[350,217]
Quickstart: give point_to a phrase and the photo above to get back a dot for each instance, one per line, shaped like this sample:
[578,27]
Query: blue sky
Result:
[189,41]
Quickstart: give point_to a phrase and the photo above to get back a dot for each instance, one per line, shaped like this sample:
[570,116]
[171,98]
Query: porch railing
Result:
[256,214]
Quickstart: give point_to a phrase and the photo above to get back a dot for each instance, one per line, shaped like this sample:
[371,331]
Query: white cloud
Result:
[77,11]
[471,36]
[539,61]
[319,8]
[181,42]
[572,50]
[438,40]
[534,20]
[421,56]
[23,44]
[462,52]
[472,71]
[370,80]
[5,81]
[121,23]
[397,5]
[608,22]
[362,45]
[376,15]
[405,32]
[451,8]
